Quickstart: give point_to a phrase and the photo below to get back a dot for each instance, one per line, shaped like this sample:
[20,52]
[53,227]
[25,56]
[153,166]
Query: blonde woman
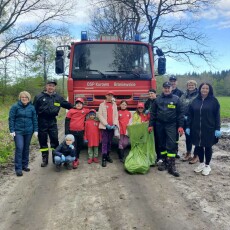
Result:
[22,125]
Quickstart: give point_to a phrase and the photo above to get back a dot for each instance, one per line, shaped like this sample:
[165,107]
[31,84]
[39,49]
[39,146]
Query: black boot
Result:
[108,158]
[121,155]
[164,165]
[172,167]
[103,162]
[45,156]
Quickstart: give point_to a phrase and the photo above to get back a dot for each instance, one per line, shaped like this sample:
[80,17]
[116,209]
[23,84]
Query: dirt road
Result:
[92,197]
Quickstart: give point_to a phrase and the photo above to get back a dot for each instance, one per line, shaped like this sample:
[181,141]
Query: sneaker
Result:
[26,169]
[90,160]
[206,170]
[199,168]
[19,173]
[95,160]
[68,166]
[75,163]
[58,168]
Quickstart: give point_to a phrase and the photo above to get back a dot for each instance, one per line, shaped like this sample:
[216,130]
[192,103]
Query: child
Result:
[108,116]
[65,153]
[124,117]
[92,136]
[75,124]
[139,116]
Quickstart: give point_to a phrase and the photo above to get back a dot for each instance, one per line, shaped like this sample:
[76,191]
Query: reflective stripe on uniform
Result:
[44,149]
[163,152]
[171,155]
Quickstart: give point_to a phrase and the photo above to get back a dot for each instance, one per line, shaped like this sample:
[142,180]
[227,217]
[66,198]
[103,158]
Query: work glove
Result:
[150,129]
[108,127]
[185,118]
[147,111]
[62,158]
[218,133]
[36,134]
[12,134]
[71,146]
[187,131]
[86,141]
[180,131]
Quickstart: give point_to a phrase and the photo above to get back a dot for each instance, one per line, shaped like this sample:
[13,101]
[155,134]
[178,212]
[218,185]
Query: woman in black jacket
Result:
[204,125]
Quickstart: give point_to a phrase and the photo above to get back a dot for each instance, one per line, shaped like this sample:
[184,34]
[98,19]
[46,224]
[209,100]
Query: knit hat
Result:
[69,137]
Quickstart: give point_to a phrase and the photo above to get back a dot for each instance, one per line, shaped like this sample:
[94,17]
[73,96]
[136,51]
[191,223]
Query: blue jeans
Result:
[22,144]
[68,159]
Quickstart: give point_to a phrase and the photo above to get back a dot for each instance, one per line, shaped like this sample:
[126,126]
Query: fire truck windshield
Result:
[111,61]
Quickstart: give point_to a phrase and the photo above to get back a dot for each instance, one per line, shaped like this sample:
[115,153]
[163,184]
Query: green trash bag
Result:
[142,154]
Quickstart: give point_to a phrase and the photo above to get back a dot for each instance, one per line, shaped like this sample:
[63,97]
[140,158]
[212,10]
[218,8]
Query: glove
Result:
[62,158]
[71,146]
[218,133]
[180,131]
[187,131]
[112,127]
[185,118]
[108,127]
[146,111]
[36,134]
[150,129]
[12,134]
[86,141]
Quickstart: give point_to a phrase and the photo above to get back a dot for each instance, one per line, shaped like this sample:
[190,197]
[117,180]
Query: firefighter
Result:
[179,93]
[47,105]
[166,114]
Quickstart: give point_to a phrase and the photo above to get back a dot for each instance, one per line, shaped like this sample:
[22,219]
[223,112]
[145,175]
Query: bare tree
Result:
[169,24]
[23,20]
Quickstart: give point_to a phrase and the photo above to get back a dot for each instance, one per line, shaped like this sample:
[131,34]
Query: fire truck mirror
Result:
[161,65]
[59,65]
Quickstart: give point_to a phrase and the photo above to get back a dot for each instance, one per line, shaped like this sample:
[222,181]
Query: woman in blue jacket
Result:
[204,125]
[22,125]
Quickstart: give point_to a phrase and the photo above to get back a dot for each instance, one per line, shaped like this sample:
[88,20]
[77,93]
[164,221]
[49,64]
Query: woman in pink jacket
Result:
[108,116]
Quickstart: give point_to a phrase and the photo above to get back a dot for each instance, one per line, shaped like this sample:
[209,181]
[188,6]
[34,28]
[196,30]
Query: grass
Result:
[224,106]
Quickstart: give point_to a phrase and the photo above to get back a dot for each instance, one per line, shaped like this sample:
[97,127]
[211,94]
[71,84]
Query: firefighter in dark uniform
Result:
[166,115]
[179,93]
[47,105]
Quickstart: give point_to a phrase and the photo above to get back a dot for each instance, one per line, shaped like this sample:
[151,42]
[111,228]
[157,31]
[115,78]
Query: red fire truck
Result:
[125,67]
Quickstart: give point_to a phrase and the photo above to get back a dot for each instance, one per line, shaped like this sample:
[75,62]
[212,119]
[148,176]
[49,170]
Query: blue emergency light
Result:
[84,36]
[137,37]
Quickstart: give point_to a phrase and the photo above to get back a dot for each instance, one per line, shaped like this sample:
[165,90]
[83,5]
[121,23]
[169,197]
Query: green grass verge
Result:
[224,106]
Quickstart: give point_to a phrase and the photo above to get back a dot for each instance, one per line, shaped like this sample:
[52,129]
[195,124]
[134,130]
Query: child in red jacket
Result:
[124,117]
[75,125]
[92,136]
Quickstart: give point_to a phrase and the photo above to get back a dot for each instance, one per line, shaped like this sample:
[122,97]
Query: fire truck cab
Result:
[125,67]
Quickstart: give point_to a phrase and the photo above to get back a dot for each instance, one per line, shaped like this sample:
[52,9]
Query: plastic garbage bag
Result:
[142,154]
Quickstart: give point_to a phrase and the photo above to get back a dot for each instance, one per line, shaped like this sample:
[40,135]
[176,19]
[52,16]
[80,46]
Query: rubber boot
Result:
[172,167]
[103,162]
[164,165]
[121,155]
[45,156]
[108,158]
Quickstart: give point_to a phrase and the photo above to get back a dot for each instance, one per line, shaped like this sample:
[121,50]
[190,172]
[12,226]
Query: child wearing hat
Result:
[92,136]
[139,116]
[65,153]
[124,117]
[108,116]
[75,125]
